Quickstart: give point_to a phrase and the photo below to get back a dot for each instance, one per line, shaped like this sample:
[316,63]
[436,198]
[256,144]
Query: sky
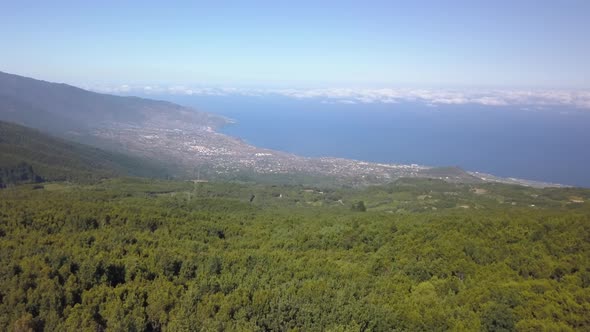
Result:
[304,44]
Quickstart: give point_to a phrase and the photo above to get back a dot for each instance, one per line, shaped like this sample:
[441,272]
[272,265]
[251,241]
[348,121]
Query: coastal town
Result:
[200,150]
[203,147]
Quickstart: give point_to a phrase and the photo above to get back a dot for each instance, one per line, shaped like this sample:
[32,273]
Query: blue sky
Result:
[300,43]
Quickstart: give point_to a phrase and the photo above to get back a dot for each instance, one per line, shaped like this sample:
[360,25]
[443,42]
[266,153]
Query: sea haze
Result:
[549,144]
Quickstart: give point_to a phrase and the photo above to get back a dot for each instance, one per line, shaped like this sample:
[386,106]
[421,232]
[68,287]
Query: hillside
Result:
[57,107]
[27,155]
[145,255]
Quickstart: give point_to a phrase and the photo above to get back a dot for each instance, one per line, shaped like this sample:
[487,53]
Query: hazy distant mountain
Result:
[27,155]
[58,107]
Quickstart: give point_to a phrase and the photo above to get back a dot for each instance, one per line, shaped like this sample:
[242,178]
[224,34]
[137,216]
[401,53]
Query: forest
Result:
[28,156]
[132,254]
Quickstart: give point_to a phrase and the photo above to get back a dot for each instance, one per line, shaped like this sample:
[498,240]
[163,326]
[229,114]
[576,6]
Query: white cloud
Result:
[580,99]
[522,98]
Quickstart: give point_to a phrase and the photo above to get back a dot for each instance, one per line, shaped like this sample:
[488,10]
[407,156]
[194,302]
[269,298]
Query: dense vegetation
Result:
[18,174]
[27,155]
[141,255]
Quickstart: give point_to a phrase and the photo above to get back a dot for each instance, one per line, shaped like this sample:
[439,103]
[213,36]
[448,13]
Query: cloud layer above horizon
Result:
[534,98]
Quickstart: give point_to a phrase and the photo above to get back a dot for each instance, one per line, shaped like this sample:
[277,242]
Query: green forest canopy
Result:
[149,255]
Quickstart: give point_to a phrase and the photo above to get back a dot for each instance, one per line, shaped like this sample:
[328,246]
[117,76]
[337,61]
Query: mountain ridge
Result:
[81,108]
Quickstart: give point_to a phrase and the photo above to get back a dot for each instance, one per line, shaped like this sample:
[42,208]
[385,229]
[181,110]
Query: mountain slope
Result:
[27,155]
[57,107]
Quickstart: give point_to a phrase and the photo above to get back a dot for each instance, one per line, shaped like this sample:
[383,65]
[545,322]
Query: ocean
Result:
[551,145]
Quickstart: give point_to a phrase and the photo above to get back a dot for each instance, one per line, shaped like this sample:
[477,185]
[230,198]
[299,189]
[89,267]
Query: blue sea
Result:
[551,145]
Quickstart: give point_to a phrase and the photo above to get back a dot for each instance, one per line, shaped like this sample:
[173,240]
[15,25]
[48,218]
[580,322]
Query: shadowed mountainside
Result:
[27,155]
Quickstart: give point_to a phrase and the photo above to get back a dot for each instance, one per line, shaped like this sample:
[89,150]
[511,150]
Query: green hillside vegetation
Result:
[423,255]
[27,155]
